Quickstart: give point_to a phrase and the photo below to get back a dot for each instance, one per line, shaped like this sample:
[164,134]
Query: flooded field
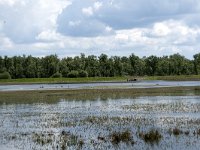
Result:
[112,121]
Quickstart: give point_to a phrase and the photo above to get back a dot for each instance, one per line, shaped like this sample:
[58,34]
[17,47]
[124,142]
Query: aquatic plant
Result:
[152,137]
[176,132]
[81,143]
[187,133]
[42,139]
[118,137]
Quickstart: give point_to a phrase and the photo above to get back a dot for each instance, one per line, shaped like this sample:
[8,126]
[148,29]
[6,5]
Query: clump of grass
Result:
[198,132]
[197,89]
[187,133]
[152,137]
[118,137]
[42,139]
[81,143]
[101,138]
[176,132]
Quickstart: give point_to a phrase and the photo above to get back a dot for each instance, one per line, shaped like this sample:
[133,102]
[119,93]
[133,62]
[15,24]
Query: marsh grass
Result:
[175,78]
[62,80]
[52,96]
[118,137]
[42,139]
[63,140]
[176,131]
[152,137]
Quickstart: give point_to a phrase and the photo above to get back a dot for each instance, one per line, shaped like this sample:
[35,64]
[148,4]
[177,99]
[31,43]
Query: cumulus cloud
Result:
[25,22]
[116,27]
[88,11]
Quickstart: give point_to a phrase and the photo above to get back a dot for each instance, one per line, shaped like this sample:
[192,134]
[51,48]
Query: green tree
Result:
[126,66]
[117,66]
[104,65]
[163,66]
[137,65]
[30,68]
[151,65]
[63,68]
[197,63]
[179,65]
[49,65]
[92,66]
[18,66]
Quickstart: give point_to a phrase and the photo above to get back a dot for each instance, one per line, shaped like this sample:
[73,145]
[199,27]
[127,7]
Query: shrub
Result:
[73,74]
[65,72]
[83,73]
[56,75]
[5,75]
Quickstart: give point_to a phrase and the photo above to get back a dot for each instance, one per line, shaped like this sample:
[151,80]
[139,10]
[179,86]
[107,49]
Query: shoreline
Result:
[25,81]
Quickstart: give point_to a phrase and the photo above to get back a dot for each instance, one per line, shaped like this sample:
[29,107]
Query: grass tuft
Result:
[152,137]
[118,137]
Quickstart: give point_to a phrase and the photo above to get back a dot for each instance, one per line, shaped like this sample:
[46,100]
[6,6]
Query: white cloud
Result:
[111,26]
[25,22]
[161,29]
[49,36]
[97,5]
[5,42]
[74,23]
[88,11]
[12,2]
[108,29]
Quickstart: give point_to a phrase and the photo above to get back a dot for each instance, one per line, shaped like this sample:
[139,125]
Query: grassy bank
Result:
[53,96]
[62,80]
[97,79]
[175,78]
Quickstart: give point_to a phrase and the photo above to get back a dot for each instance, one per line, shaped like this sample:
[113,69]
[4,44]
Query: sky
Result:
[113,27]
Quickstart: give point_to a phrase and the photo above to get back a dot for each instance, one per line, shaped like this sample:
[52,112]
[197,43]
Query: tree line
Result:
[93,66]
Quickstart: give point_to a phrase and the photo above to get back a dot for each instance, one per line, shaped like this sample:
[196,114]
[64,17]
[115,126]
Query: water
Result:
[72,124]
[139,84]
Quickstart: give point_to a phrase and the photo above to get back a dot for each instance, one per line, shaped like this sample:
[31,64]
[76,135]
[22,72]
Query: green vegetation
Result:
[61,80]
[118,137]
[73,74]
[5,75]
[102,66]
[153,136]
[53,96]
[175,78]
[176,132]
[56,75]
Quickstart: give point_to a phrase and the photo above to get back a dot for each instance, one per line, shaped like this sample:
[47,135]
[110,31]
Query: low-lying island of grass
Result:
[97,79]
[53,96]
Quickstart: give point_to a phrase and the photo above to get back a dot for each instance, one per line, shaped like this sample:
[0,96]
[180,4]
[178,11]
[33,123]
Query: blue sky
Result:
[113,27]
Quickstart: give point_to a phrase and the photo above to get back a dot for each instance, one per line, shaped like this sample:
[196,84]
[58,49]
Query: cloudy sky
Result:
[113,27]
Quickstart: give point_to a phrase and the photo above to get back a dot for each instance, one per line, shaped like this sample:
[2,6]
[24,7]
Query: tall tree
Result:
[151,63]
[197,63]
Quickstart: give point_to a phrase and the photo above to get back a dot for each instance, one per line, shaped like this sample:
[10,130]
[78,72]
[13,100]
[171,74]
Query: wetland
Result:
[102,117]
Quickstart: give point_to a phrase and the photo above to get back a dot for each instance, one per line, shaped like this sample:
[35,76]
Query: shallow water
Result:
[70,124]
[138,84]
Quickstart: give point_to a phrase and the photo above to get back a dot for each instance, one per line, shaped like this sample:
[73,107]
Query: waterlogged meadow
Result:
[125,121]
